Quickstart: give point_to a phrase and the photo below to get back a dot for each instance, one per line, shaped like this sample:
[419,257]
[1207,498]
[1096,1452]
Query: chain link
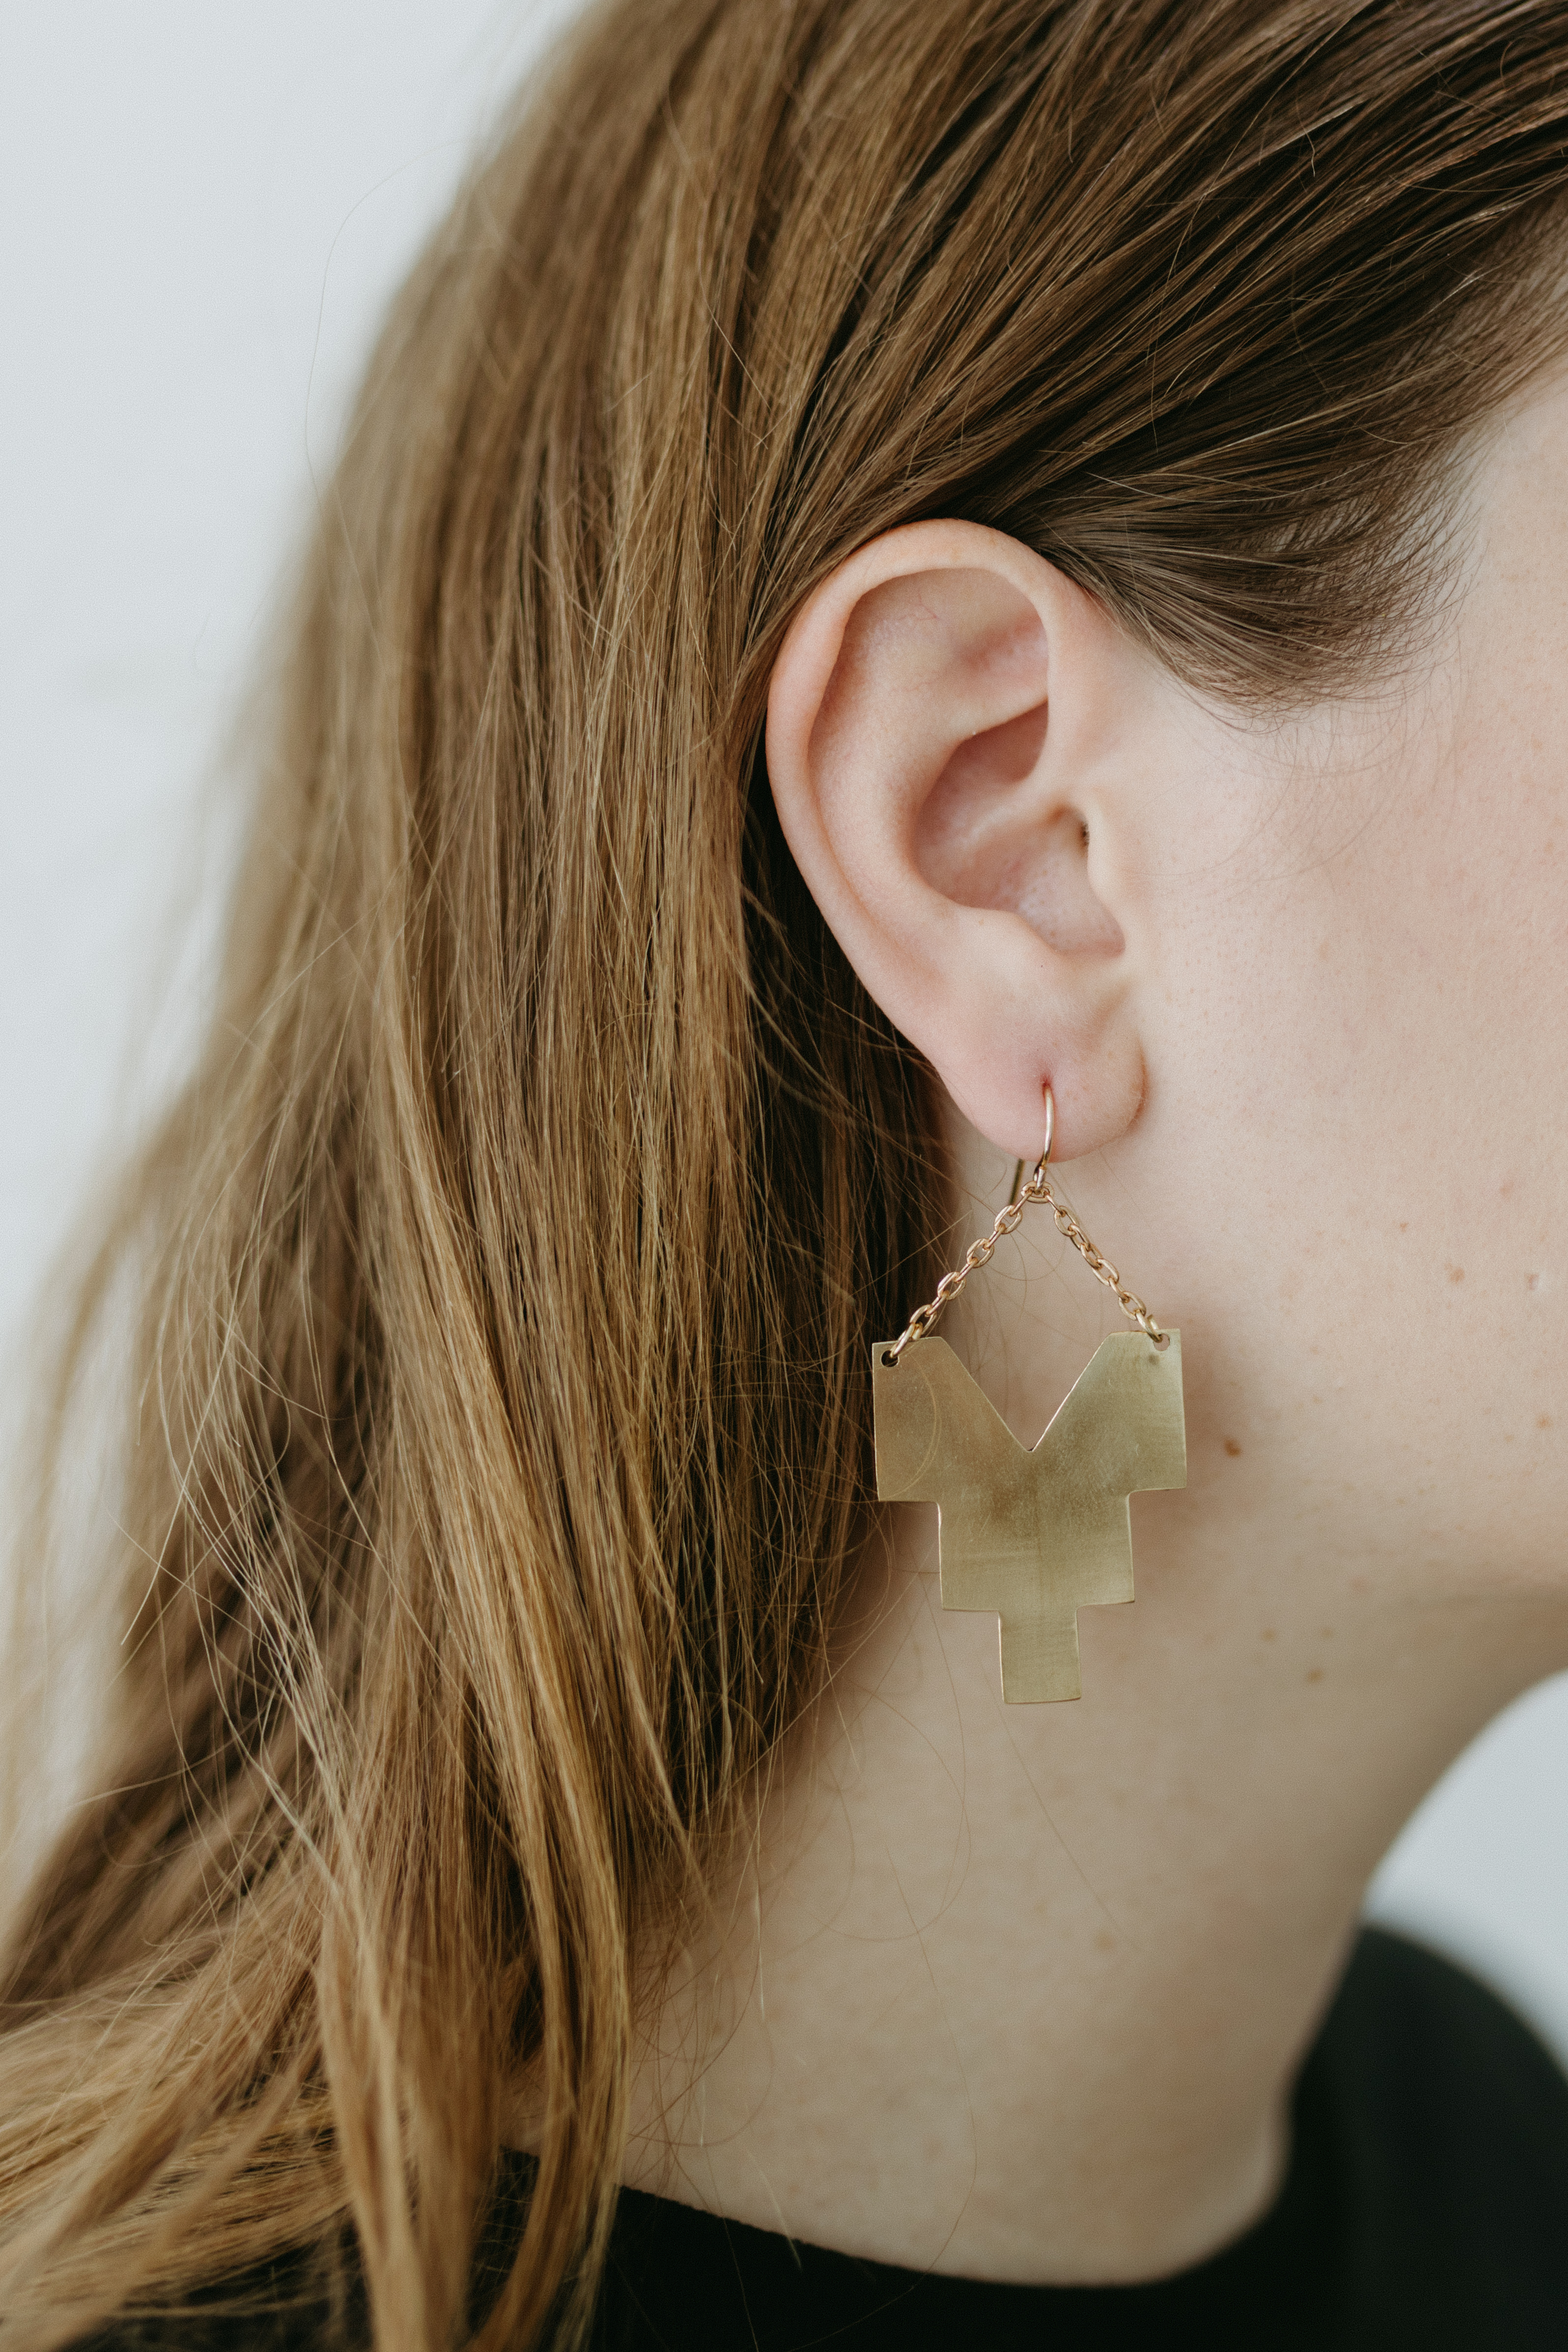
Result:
[981,1251]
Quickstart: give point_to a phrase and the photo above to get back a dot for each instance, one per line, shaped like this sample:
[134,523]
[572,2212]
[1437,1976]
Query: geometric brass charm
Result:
[1034,1533]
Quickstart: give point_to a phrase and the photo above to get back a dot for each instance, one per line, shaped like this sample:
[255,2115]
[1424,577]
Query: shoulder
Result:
[1432,2156]
[1423,2209]
[1418,2052]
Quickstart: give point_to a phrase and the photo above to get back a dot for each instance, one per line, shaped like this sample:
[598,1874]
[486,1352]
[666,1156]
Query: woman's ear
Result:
[946,742]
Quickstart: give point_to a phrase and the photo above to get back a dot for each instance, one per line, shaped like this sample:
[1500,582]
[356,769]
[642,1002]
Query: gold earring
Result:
[1033,1534]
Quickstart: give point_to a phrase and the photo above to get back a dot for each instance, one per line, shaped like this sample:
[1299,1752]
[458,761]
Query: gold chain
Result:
[981,1251]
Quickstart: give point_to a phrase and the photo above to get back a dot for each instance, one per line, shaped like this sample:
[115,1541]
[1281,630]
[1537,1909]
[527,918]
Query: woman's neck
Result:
[1019,1992]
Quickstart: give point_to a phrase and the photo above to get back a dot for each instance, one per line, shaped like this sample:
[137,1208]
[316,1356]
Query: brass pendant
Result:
[1033,1534]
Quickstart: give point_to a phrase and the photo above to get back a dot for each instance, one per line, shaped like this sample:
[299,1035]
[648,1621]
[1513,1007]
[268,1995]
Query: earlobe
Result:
[941,743]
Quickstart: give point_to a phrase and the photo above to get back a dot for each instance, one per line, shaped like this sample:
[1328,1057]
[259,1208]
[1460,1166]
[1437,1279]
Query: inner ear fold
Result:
[991,832]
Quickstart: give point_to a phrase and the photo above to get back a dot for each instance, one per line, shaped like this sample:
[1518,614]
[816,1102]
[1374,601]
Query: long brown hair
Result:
[498,1426]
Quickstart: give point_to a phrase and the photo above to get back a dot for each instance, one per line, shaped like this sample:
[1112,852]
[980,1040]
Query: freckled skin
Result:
[1035,1980]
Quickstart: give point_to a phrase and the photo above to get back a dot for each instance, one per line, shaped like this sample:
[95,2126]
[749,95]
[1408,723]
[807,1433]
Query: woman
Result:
[904,567]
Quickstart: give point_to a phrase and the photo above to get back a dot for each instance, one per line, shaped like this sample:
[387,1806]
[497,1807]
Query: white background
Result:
[203,210]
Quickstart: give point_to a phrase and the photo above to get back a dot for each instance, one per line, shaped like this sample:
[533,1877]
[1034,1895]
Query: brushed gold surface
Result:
[1035,1534]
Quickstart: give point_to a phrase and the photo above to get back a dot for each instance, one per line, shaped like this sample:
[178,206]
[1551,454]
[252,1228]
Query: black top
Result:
[1425,2206]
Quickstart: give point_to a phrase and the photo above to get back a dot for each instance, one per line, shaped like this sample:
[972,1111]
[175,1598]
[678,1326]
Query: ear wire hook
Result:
[1044,1160]
[981,1251]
